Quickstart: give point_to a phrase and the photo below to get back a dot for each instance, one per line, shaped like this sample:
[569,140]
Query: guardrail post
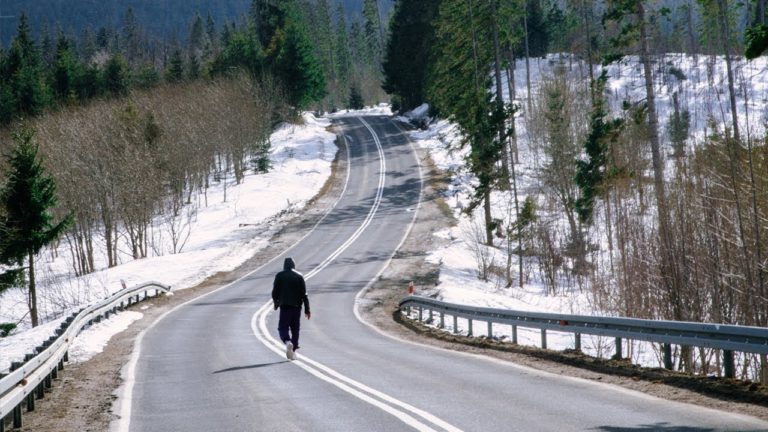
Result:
[66,356]
[668,356]
[514,334]
[421,313]
[490,329]
[2,424]
[543,338]
[455,324]
[40,391]
[31,402]
[577,343]
[55,372]
[619,349]
[430,317]
[469,333]
[730,370]
[442,319]
[47,381]
[17,421]
[61,365]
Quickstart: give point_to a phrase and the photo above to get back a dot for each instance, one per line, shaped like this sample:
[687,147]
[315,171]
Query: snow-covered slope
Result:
[701,87]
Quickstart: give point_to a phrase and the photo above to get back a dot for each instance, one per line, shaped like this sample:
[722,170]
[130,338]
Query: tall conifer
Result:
[27,198]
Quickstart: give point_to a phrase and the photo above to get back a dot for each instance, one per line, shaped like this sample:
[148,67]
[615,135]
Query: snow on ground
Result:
[92,340]
[226,226]
[380,109]
[701,87]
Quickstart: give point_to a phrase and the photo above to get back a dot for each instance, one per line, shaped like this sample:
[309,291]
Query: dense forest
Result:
[659,214]
[162,19]
[318,56]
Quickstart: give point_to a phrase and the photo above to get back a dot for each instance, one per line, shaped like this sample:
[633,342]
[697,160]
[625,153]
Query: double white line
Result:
[371,213]
[404,412]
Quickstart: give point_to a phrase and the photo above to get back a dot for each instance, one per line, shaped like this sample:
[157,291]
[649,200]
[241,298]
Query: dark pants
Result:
[290,319]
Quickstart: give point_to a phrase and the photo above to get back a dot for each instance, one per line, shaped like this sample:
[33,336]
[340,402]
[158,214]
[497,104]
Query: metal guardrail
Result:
[28,380]
[728,338]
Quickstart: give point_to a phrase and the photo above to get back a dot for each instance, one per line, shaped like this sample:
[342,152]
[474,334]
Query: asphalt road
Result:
[214,364]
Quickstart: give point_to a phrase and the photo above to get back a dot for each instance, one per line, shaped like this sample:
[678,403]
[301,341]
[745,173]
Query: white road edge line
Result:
[304,362]
[124,401]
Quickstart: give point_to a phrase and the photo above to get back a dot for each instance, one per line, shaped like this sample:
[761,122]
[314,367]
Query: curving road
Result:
[213,364]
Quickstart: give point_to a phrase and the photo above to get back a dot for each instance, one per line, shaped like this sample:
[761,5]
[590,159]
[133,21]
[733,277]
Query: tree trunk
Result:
[527,57]
[724,35]
[509,169]
[488,219]
[499,89]
[512,96]
[32,292]
[760,12]
[760,318]
[669,269]
[588,45]
[694,47]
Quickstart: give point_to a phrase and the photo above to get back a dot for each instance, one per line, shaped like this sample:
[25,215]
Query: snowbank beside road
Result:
[235,224]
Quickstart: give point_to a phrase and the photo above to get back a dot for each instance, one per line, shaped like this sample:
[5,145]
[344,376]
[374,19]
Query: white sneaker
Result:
[289,350]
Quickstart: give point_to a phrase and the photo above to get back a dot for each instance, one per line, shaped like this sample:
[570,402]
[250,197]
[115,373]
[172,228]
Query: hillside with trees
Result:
[618,148]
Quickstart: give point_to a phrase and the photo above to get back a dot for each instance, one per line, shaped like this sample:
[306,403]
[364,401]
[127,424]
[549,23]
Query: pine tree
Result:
[355,99]
[175,71]
[593,173]
[407,52]
[325,41]
[197,38]
[27,198]
[103,36]
[343,56]
[23,69]
[211,41]
[267,16]
[459,88]
[296,65]
[87,44]
[64,69]
[116,76]
[374,34]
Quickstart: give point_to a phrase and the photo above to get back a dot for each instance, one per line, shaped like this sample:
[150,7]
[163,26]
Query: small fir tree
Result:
[27,198]
[355,99]
[175,72]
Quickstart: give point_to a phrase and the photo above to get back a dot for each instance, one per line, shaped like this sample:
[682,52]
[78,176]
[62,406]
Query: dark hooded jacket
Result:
[289,288]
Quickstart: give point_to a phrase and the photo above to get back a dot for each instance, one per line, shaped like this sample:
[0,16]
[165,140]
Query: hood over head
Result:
[288,264]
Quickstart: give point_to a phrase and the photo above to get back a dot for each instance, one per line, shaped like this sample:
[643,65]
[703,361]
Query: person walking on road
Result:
[289,293]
